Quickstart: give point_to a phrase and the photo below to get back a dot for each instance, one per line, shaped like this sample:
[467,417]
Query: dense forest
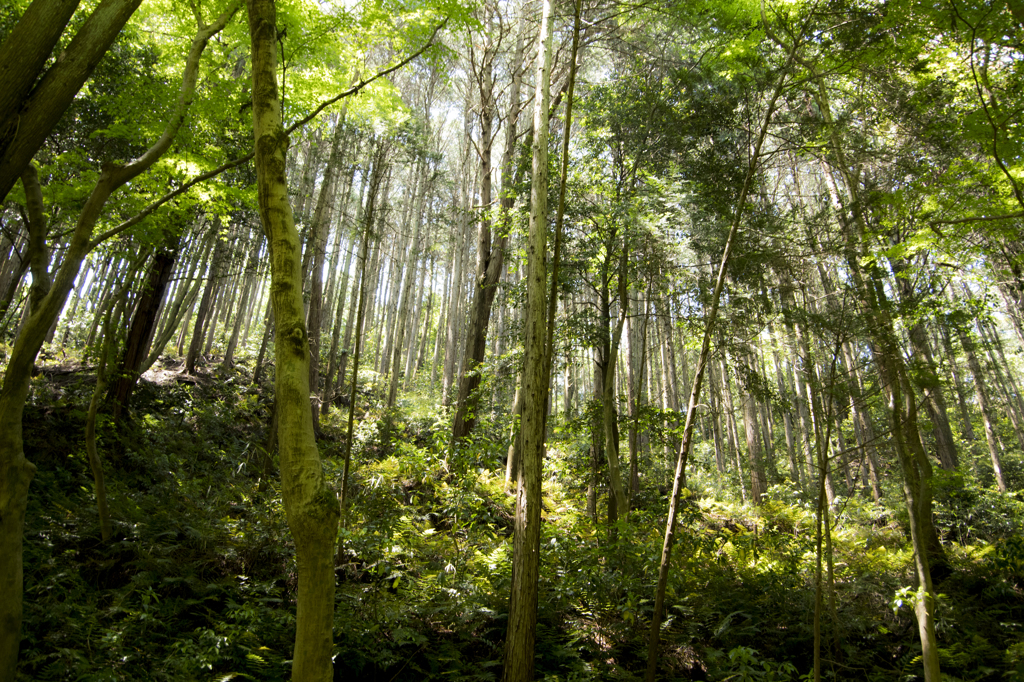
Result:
[425,340]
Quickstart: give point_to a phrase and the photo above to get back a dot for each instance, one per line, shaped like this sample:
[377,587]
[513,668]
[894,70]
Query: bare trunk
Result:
[311,507]
[522,620]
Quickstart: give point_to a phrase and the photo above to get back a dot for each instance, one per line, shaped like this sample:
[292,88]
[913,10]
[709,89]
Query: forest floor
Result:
[199,580]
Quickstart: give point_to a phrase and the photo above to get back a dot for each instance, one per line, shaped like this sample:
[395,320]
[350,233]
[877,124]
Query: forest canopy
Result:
[526,340]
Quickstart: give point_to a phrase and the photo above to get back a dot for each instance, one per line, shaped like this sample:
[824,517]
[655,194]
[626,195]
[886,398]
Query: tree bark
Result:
[32,108]
[490,252]
[522,619]
[203,315]
[311,507]
[250,281]
[140,333]
[984,404]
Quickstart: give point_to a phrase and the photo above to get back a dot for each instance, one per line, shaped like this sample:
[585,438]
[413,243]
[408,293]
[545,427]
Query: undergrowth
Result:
[199,582]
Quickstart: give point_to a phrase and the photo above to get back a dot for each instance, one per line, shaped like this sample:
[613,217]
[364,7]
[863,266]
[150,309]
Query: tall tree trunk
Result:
[987,416]
[184,298]
[787,415]
[758,482]
[1004,377]
[322,218]
[359,296]
[47,301]
[395,362]
[459,256]
[339,321]
[522,618]
[203,315]
[679,478]
[250,282]
[311,507]
[901,403]
[610,340]
[862,416]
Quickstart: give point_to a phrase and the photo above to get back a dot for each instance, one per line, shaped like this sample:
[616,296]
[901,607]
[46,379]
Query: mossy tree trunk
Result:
[311,507]
[47,298]
[33,102]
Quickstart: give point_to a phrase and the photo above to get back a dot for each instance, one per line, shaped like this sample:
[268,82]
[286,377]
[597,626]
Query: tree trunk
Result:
[901,403]
[332,362]
[984,404]
[311,507]
[184,298]
[409,279]
[924,374]
[1003,377]
[205,306]
[758,482]
[250,281]
[522,619]
[636,353]
[459,248]
[322,218]
[30,108]
[679,478]
[140,333]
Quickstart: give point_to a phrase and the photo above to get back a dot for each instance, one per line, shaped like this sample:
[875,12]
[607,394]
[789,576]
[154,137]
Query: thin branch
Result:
[139,217]
[978,219]
[363,83]
[146,212]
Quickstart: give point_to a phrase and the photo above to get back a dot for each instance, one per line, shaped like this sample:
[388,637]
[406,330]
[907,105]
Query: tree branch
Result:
[363,83]
[146,212]
[978,219]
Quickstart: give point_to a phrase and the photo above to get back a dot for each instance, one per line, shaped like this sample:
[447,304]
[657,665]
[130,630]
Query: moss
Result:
[296,338]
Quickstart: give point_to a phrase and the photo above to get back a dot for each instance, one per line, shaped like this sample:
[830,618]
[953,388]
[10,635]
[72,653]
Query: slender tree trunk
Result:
[636,335]
[409,279]
[522,620]
[185,297]
[332,362]
[691,411]
[984,404]
[250,282]
[323,216]
[456,294]
[111,320]
[787,416]
[901,403]
[311,507]
[925,376]
[205,306]
[359,307]
[1004,378]
[758,482]
[490,252]
[140,332]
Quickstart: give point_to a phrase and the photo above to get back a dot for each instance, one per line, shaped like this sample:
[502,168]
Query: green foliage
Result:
[969,513]
[200,580]
[743,665]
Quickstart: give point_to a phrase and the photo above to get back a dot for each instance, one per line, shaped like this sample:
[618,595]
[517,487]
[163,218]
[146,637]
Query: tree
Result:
[490,247]
[679,477]
[35,100]
[311,506]
[48,298]
[522,619]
